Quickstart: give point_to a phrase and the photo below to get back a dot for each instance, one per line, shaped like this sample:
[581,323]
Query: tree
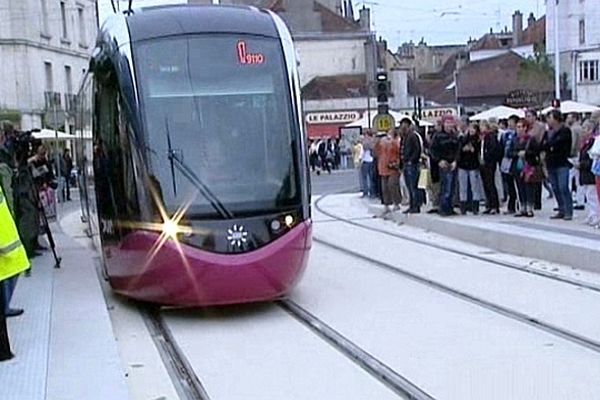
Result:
[536,75]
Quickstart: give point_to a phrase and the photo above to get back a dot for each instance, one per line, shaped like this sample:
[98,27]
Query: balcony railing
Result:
[71,101]
[60,102]
[52,101]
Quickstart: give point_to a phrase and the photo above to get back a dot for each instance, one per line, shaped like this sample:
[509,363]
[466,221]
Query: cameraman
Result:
[7,170]
[26,210]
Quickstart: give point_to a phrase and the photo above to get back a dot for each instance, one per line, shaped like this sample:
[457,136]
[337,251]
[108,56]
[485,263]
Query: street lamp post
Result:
[556,54]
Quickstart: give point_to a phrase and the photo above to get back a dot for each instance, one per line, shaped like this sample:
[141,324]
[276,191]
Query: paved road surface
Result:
[336,182]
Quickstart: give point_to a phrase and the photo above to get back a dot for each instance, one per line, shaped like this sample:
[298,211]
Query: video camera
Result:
[25,145]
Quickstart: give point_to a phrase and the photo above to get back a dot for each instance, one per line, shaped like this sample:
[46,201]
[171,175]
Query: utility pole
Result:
[556,54]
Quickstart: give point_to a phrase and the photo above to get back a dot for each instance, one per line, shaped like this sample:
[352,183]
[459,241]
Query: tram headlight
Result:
[289,221]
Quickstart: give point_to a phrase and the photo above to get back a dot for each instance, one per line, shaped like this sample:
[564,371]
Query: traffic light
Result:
[383,92]
[556,104]
[383,88]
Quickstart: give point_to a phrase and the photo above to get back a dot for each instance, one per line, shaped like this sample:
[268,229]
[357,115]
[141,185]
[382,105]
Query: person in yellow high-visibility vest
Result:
[13,261]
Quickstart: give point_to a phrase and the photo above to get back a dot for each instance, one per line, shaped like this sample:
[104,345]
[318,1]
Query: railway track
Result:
[186,382]
[396,382]
[189,386]
[563,333]
[505,311]
[504,264]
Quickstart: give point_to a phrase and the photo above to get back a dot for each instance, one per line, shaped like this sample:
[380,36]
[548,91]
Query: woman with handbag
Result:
[387,151]
[526,168]
[594,154]
[587,180]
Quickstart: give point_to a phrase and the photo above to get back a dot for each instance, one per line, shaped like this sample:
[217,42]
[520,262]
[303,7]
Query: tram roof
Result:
[161,21]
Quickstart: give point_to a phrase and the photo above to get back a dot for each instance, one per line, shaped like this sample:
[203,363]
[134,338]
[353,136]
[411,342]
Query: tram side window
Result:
[128,174]
[115,185]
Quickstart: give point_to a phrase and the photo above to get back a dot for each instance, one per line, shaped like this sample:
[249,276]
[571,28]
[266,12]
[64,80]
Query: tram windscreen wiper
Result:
[191,176]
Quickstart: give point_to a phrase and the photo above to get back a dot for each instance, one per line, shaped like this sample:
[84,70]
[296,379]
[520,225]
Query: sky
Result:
[437,21]
[447,21]
[105,7]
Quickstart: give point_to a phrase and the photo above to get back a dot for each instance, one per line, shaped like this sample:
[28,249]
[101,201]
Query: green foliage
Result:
[13,116]
[538,67]
[537,76]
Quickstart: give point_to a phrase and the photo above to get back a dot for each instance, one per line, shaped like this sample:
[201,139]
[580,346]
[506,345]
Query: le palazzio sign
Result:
[338,117]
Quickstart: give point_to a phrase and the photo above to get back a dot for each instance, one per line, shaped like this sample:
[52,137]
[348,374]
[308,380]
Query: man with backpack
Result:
[412,154]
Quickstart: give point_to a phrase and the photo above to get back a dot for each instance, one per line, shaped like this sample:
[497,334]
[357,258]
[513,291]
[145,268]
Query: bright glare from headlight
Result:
[170,228]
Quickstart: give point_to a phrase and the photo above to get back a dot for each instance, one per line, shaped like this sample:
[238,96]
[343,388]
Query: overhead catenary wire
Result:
[400,23]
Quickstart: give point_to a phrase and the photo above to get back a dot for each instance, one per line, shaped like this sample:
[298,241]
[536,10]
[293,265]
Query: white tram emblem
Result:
[237,235]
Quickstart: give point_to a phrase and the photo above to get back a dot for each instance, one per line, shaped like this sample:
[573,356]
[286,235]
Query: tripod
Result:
[47,231]
[44,221]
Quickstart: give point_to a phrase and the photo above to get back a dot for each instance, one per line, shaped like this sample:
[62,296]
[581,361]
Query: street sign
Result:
[384,122]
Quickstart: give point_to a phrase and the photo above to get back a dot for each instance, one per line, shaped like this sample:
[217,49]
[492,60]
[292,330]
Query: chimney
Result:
[382,48]
[350,11]
[531,20]
[365,19]
[517,28]
[462,60]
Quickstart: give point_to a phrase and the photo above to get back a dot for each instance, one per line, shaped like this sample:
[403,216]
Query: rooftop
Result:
[497,76]
[335,87]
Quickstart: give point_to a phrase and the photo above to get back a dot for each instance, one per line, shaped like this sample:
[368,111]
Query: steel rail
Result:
[396,382]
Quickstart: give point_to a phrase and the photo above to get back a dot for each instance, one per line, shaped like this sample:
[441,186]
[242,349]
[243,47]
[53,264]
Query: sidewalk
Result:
[564,242]
[64,343]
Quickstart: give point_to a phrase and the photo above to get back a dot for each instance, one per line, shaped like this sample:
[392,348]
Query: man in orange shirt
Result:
[388,165]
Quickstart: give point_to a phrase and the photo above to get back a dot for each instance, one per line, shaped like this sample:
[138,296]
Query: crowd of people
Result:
[328,155]
[501,165]
[28,179]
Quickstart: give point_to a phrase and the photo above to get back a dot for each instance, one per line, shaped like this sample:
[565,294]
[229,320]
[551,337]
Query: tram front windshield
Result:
[221,105]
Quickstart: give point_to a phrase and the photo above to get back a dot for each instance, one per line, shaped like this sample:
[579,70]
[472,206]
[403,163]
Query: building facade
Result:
[579,45]
[421,59]
[44,51]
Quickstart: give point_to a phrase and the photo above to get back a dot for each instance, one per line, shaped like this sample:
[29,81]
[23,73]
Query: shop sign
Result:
[336,117]
[521,99]
[431,114]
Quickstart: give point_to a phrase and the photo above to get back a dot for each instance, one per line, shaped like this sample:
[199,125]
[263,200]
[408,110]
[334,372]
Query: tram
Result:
[193,157]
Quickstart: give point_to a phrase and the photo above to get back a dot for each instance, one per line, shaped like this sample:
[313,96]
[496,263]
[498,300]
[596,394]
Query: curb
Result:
[520,242]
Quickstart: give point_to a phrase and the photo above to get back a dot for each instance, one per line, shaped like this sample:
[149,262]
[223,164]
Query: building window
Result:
[63,17]
[588,71]
[82,33]
[45,28]
[48,74]
[581,31]
[68,80]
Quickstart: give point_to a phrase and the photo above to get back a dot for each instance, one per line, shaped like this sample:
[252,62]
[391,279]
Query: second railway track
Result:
[504,264]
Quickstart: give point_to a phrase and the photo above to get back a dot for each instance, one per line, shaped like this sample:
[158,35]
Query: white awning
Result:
[500,112]
[567,107]
[48,134]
